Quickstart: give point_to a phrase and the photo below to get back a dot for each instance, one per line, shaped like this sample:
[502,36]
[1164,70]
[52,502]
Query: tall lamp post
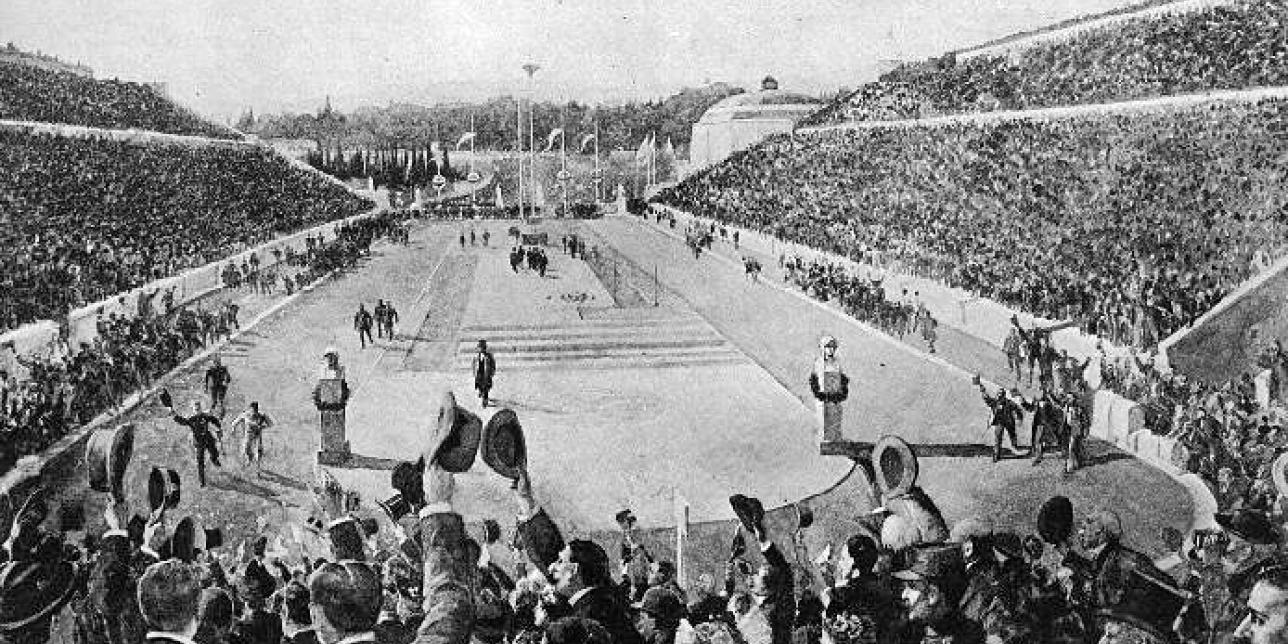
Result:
[473,177]
[531,70]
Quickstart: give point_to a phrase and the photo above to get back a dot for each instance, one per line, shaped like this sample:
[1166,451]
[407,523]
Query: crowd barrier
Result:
[1120,421]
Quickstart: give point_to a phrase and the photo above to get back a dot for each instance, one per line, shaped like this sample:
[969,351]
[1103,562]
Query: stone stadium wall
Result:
[1222,344]
[146,137]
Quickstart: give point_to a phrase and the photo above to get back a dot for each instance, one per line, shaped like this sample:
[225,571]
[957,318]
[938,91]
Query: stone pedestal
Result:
[330,396]
[1262,383]
[829,420]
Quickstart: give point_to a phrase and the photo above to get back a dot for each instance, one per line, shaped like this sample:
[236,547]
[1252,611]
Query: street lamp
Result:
[439,181]
[564,176]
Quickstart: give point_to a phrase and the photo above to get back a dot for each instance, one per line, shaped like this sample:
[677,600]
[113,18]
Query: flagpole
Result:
[599,179]
[563,166]
[518,149]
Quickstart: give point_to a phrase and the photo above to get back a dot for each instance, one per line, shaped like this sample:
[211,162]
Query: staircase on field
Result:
[604,339]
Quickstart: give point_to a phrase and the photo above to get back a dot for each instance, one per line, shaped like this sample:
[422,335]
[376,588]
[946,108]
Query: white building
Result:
[743,120]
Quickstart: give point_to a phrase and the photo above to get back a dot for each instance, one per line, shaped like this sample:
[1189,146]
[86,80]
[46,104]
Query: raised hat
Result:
[457,436]
[1250,525]
[504,448]
[938,561]
[183,540]
[156,489]
[895,465]
[30,592]
[107,455]
[749,510]
[1055,520]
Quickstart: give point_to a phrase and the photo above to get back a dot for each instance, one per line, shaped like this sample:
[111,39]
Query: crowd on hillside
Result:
[1133,225]
[1233,46]
[432,576]
[51,394]
[29,93]
[86,218]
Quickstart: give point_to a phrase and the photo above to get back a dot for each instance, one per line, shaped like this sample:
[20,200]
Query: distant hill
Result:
[413,126]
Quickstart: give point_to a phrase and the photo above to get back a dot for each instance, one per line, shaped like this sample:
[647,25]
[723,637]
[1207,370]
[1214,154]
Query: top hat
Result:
[750,511]
[456,436]
[107,454]
[183,542]
[895,465]
[504,449]
[1055,520]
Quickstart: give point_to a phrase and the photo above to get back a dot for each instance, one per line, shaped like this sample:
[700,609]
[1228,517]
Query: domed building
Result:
[743,120]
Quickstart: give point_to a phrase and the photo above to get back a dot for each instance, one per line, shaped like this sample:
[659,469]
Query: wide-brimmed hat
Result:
[1250,525]
[895,464]
[107,455]
[32,591]
[750,511]
[456,436]
[504,448]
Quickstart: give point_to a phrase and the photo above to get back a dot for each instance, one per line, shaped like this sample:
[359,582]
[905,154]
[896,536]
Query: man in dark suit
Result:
[1112,563]
[203,437]
[484,368]
[362,322]
[772,586]
[579,569]
[168,595]
[217,381]
[1005,414]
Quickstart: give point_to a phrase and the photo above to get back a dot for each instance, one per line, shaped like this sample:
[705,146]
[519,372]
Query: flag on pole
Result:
[669,150]
[584,140]
[645,151]
[550,140]
[465,138]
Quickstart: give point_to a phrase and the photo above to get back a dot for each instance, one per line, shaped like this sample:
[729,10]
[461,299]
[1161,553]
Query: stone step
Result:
[573,334]
[621,362]
[605,323]
[503,348]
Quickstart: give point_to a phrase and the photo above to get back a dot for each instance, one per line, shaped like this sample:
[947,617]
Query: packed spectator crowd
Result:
[901,575]
[87,218]
[1132,224]
[67,386]
[29,93]
[1239,45]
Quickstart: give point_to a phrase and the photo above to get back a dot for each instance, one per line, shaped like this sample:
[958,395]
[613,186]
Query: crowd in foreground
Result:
[90,218]
[1132,224]
[69,386]
[1233,45]
[902,575]
[29,93]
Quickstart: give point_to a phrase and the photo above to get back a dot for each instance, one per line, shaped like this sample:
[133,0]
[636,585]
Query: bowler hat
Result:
[895,465]
[1250,525]
[491,531]
[409,479]
[504,449]
[662,604]
[30,592]
[107,455]
[456,436]
[1055,520]
[750,511]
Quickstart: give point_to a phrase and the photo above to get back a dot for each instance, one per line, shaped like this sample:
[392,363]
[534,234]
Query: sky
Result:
[223,56]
